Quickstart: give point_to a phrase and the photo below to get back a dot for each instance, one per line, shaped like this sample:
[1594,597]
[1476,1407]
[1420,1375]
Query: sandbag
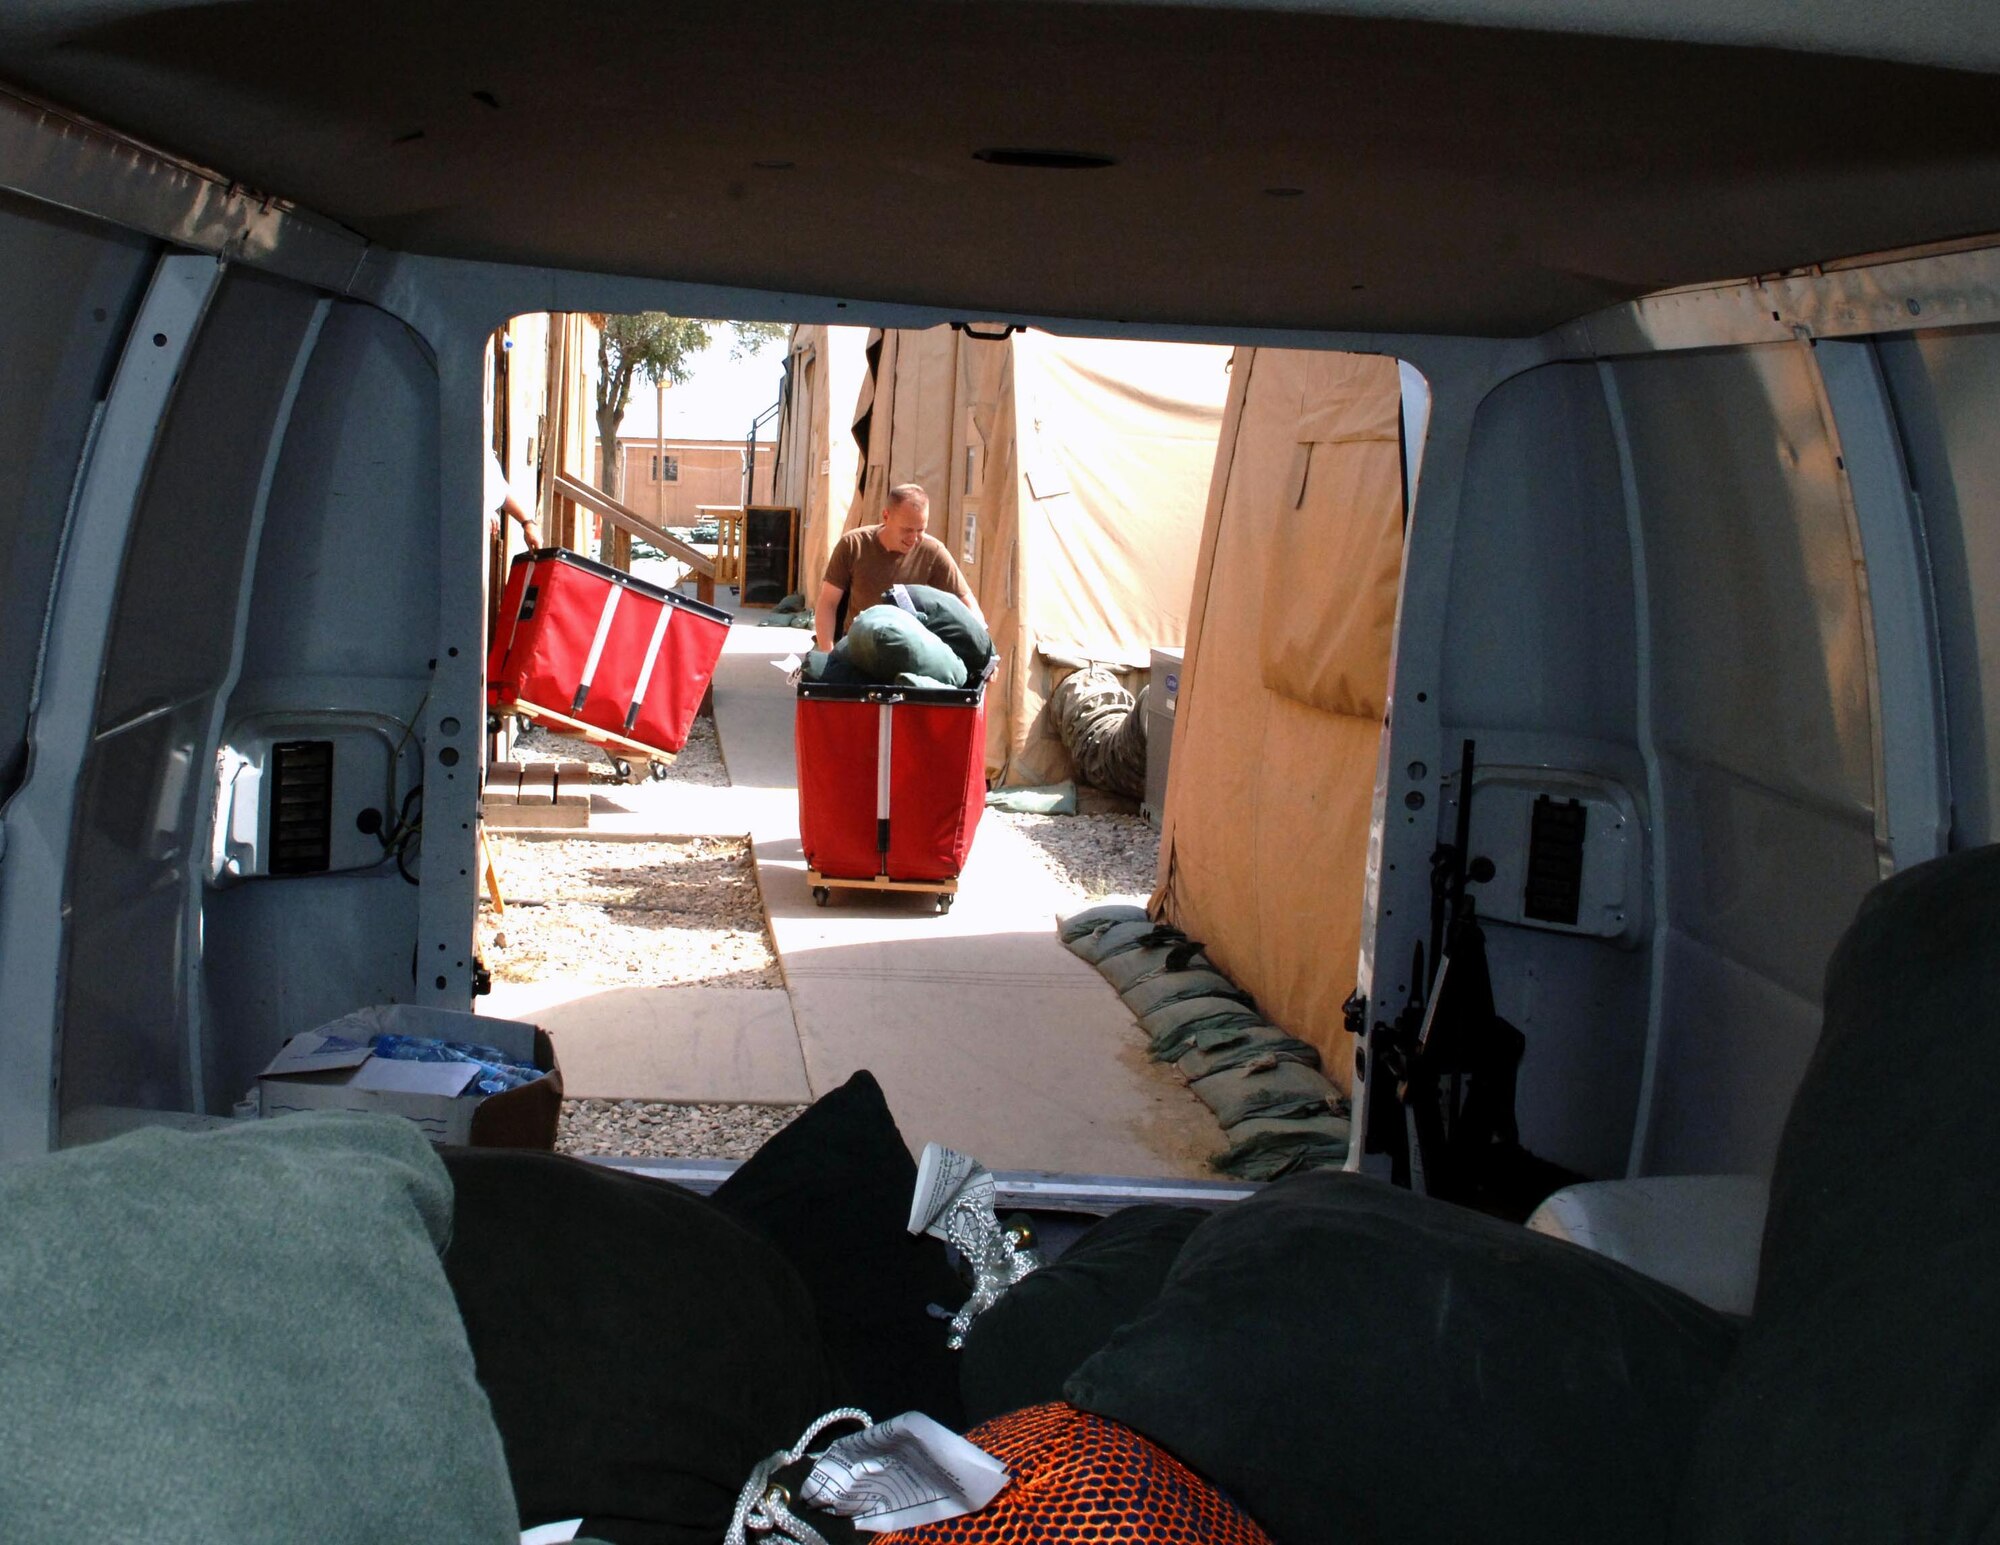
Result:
[1172,986]
[1217,1048]
[1043,799]
[952,621]
[1101,943]
[1210,1025]
[889,645]
[1266,1147]
[1096,919]
[1165,949]
[1170,1026]
[1258,1089]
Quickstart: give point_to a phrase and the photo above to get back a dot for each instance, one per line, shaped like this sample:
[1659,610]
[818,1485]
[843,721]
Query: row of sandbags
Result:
[1278,1109]
[922,637]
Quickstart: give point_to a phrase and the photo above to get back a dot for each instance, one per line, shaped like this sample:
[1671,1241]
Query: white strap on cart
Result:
[646,665]
[882,745]
[523,611]
[596,648]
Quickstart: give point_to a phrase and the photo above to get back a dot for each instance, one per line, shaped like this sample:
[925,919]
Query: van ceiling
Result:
[1272,167]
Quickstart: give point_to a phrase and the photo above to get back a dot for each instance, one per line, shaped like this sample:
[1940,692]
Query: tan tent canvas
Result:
[818,463]
[1068,477]
[1264,840]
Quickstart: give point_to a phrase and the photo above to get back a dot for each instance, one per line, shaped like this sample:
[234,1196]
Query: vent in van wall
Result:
[301,806]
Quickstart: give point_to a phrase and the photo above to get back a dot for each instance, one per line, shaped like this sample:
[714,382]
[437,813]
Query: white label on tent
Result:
[970,553]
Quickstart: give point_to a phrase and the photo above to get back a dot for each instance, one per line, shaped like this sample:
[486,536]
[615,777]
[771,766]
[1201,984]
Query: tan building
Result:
[696,472]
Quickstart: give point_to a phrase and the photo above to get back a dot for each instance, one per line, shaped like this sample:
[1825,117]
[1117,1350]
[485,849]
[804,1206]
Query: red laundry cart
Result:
[589,651]
[892,781]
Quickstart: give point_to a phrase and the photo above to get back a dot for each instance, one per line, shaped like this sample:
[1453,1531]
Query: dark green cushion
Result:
[1865,1403]
[957,624]
[887,644]
[1020,1351]
[643,1349]
[832,1191]
[1355,1363]
[240,1335]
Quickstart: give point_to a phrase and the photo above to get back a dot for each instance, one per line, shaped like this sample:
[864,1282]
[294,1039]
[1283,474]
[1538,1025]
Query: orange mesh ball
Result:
[1076,1479]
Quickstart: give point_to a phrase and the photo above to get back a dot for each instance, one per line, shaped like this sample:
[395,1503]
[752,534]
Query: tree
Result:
[652,347]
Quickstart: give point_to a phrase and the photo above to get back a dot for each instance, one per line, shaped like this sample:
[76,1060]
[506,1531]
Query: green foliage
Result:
[655,348]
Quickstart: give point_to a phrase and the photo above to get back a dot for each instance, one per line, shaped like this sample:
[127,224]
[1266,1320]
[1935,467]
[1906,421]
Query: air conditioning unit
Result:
[1163,692]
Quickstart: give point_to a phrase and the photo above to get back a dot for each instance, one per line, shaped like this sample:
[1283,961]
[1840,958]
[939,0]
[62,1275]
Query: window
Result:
[673,469]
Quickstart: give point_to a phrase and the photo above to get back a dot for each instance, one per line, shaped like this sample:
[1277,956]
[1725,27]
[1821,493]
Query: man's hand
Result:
[825,612]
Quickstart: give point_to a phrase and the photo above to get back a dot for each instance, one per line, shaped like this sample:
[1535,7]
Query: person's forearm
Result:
[825,613]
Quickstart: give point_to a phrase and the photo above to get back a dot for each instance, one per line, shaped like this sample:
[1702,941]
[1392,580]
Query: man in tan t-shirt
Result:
[868,560]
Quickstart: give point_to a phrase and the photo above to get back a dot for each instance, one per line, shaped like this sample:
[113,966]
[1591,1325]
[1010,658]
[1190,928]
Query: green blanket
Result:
[240,1335]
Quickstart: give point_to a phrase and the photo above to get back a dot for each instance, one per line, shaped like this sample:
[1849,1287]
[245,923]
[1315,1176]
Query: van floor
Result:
[986,1034]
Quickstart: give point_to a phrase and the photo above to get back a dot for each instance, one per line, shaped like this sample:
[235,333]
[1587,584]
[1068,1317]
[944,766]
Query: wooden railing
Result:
[705,569]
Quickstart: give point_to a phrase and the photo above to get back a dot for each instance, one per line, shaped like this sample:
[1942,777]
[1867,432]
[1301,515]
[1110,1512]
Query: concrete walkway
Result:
[984,1031]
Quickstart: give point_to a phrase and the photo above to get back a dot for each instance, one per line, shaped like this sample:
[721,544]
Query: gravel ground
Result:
[1098,857]
[627,914]
[650,1129]
[699,761]
[636,914]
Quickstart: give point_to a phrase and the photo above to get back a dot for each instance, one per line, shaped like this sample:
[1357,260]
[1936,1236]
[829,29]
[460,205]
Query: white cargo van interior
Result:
[1703,301]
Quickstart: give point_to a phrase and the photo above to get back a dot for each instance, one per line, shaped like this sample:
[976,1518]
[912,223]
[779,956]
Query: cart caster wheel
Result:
[623,768]
[821,895]
[945,901]
[657,771]
[522,724]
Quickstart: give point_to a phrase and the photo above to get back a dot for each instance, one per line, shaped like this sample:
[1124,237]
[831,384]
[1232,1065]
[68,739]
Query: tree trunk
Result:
[615,546]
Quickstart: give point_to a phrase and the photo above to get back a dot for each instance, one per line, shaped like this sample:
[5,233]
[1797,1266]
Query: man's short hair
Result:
[909,493]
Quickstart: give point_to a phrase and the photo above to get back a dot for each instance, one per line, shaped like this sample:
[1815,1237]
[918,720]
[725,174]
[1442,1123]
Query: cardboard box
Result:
[305,1075]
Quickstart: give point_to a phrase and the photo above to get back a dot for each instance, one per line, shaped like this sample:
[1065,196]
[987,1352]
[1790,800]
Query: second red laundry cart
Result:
[892,781]
[589,651]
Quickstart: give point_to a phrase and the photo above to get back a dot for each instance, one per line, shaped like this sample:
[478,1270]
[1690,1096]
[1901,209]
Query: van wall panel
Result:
[1946,391]
[343,619]
[1738,1045]
[1763,721]
[172,635]
[1540,631]
[347,577]
[1759,876]
[69,292]
[1759,659]
[281,956]
[1540,667]
[126,1020]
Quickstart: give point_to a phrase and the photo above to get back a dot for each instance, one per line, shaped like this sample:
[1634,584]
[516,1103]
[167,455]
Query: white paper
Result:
[440,1078]
[304,1054]
[902,1473]
[551,1534]
[793,666]
[942,1176]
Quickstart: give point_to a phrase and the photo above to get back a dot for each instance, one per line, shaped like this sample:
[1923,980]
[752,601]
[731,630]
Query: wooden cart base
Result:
[628,755]
[823,887]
